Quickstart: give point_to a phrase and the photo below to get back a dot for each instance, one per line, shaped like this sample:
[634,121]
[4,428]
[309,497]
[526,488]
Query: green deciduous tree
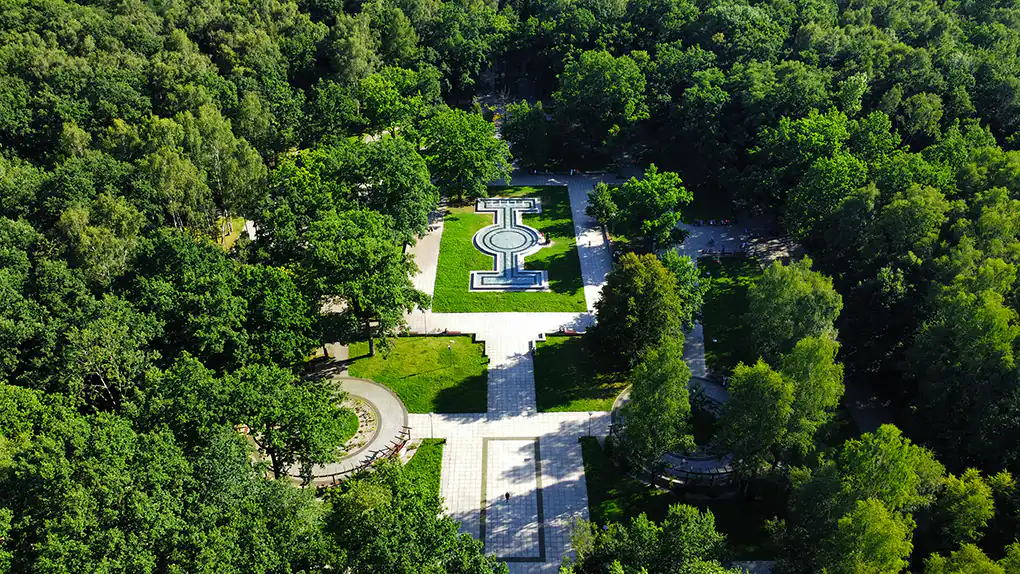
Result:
[357,269]
[869,539]
[92,490]
[103,236]
[921,116]
[970,559]
[755,417]
[179,189]
[602,205]
[395,35]
[291,421]
[788,150]
[857,505]
[964,507]
[738,31]
[689,285]
[963,360]
[396,183]
[115,497]
[279,320]
[463,153]
[640,308]
[657,416]
[600,98]
[353,53]
[817,388]
[824,186]
[650,206]
[190,286]
[396,99]
[372,516]
[234,171]
[686,542]
[529,132]
[788,303]
[104,352]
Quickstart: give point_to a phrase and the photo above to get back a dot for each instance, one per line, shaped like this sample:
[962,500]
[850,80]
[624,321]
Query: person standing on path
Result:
[507,495]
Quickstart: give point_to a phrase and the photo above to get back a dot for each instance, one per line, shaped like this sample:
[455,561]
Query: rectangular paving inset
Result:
[513,529]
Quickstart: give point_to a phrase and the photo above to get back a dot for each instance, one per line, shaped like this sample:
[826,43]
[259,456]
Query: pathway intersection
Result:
[513,449]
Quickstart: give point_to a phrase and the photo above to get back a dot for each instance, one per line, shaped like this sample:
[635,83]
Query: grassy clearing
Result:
[427,463]
[419,370]
[566,378]
[458,256]
[726,338]
[614,495]
[236,226]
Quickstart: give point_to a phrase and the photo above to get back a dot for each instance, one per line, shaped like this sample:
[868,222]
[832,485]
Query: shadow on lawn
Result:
[564,272]
[726,337]
[617,494]
[465,397]
[568,375]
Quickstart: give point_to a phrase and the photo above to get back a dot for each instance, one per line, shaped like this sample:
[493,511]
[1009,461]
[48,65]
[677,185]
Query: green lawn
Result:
[566,378]
[726,339]
[348,423]
[236,225]
[614,495]
[427,463]
[419,370]
[458,256]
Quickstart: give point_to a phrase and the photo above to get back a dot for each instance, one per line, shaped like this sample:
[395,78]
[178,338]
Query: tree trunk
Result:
[371,339]
[276,463]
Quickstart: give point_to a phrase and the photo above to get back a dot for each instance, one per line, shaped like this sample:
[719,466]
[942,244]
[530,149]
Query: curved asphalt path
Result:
[679,462]
[390,416]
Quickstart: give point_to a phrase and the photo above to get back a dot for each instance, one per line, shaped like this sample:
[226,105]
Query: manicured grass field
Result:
[726,339]
[458,256]
[566,378]
[419,370]
[614,495]
[427,463]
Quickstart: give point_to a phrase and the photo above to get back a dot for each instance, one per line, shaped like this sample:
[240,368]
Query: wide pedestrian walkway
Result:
[512,449]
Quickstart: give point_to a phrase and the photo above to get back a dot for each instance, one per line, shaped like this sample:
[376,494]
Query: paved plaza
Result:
[512,521]
[511,448]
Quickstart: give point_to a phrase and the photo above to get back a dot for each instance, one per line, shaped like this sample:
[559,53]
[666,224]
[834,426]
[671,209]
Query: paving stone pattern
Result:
[492,453]
[536,457]
[511,374]
[512,520]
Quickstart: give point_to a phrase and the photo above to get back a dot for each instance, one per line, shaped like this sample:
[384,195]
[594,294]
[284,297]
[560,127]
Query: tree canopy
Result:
[881,135]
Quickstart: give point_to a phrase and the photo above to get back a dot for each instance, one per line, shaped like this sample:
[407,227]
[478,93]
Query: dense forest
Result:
[881,133]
